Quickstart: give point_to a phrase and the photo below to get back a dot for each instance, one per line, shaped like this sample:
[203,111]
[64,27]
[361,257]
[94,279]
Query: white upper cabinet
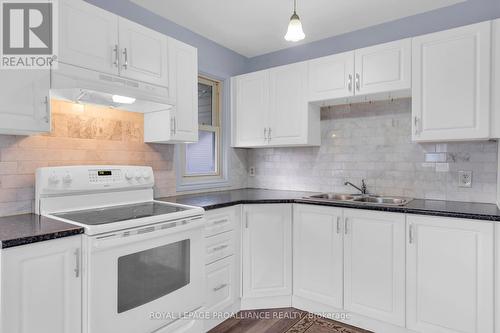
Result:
[331,77]
[88,37]
[41,289]
[318,254]
[183,72]
[289,119]
[495,85]
[270,109]
[374,265]
[143,53]
[96,39]
[250,107]
[451,84]
[383,68]
[267,251]
[373,70]
[449,275]
[24,102]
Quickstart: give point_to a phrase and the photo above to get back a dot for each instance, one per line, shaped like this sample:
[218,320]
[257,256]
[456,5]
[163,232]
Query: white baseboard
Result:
[266,302]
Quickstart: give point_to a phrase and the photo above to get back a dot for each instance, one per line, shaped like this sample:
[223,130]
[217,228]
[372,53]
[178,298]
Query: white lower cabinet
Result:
[449,275]
[318,254]
[267,255]
[222,271]
[374,265]
[41,289]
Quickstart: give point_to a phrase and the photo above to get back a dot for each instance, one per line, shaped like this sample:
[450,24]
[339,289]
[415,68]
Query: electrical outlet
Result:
[251,171]
[465,179]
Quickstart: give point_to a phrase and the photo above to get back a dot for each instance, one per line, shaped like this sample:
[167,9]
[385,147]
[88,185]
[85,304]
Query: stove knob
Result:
[129,175]
[146,175]
[138,175]
[53,179]
[67,178]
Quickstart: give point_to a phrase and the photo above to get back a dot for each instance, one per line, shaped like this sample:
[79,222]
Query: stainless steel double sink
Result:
[360,198]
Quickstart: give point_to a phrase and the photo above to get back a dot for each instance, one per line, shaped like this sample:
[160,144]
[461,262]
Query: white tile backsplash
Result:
[372,141]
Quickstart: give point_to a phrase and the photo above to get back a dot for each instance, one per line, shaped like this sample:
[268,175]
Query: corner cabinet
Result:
[451,84]
[270,109]
[267,256]
[450,272]
[41,288]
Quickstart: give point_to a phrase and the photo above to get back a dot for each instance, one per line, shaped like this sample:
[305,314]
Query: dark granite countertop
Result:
[30,228]
[213,200]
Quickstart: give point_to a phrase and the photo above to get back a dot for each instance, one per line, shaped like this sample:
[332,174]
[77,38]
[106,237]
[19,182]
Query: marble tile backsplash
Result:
[372,141]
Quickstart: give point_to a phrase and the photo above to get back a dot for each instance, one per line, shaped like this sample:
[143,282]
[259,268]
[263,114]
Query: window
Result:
[202,160]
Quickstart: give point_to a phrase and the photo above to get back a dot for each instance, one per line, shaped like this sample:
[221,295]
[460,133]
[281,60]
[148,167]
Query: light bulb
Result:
[123,99]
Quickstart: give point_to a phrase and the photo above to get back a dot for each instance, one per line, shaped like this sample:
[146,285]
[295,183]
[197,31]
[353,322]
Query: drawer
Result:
[219,221]
[219,246]
[220,282]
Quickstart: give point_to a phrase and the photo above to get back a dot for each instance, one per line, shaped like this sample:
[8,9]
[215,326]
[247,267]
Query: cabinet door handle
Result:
[175,125]
[270,135]
[411,234]
[117,59]
[77,262]
[125,58]
[265,134]
[415,124]
[346,223]
[219,221]
[219,248]
[46,103]
[338,225]
[222,286]
[358,81]
[349,82]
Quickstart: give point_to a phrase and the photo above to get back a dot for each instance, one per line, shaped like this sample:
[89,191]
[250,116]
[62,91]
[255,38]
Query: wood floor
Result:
[286,320]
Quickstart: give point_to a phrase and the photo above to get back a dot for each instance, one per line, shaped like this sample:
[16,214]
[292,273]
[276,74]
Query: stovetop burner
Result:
[119,213]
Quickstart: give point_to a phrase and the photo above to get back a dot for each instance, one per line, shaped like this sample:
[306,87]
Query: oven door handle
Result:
[111,240]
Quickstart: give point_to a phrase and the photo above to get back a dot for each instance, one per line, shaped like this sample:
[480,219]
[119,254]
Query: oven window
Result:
[151,274]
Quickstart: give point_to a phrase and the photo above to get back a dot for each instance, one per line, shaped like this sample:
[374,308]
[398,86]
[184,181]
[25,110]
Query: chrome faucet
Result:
[363,188]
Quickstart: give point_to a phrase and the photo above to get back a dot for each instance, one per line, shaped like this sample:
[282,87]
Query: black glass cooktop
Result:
[119,213]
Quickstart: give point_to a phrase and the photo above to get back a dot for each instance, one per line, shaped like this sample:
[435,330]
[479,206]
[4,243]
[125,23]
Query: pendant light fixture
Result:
[294,32]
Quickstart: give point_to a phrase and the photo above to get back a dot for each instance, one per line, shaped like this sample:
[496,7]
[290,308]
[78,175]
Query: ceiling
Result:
[257,27]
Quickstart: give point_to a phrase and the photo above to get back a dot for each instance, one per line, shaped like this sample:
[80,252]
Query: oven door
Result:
[142,279]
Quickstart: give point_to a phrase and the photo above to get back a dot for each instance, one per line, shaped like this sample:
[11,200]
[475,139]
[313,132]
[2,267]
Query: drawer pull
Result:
[219,222]
[222,286]
[218,248]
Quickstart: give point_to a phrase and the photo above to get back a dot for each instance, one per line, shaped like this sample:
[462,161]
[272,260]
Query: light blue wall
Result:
[214,59]
[471,11]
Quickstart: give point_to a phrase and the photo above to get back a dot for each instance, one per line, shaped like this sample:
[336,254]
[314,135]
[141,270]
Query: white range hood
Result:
[79,85]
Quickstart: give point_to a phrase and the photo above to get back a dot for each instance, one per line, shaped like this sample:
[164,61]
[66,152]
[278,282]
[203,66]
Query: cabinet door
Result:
[24,101]
[450,275]
[383,68]
[318,254]
[267,250]
[451,84]
[495,98]
[374,265]
[250,107]
[42,287]
[288,116]
[88,36]
[143,53]
[331,77]
[183,72]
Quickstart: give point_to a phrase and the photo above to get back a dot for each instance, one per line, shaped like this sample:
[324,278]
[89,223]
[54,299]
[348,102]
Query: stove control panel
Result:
[92,178]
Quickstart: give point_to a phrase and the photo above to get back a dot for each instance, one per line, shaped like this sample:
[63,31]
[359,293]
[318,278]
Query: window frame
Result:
[186,181]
